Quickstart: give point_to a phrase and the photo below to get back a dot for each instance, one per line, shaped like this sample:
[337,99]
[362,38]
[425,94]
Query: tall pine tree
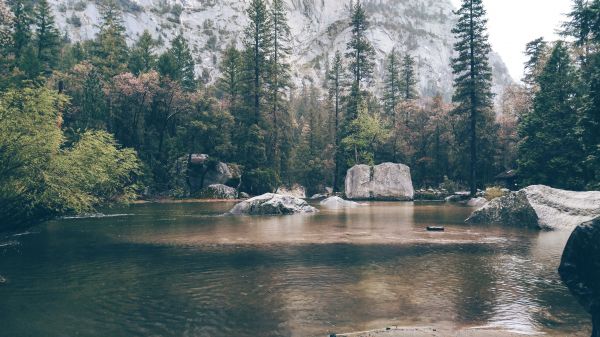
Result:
[335,87]
[391,86]
[46,38]
[473,78]
[110,54]
[360,53]
[278,83]
[408,79]
[143,56]
[183,62]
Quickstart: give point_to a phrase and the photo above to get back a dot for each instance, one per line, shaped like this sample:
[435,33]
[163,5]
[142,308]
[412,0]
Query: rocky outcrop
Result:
[386,181]
[337,203]
[219,191]
[272,204]
[195,172]
[296,191]
[540,207]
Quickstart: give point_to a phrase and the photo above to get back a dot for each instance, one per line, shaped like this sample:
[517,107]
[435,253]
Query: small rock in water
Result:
[435,228]
[2,279]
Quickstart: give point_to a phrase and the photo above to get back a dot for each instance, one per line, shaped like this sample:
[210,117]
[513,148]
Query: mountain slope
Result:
[319,28]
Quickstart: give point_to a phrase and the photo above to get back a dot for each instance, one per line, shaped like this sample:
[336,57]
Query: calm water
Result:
[182,270]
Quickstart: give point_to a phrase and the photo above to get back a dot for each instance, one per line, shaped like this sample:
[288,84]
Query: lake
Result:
[181,269]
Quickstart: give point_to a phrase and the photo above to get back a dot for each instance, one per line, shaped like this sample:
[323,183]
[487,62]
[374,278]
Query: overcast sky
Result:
[513,23]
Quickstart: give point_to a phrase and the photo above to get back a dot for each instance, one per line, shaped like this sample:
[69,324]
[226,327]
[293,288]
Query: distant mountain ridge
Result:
[319,28]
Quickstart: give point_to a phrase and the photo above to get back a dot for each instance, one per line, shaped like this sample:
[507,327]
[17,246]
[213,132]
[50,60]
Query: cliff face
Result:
[319,28]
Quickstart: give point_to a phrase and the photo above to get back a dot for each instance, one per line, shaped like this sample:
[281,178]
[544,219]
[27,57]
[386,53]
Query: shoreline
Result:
[398,331]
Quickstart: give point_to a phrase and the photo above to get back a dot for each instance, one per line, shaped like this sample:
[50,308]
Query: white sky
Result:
[513,23]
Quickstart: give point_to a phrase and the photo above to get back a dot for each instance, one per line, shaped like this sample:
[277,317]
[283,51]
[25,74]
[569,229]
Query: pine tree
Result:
[110,54]
[46,38]
[6,26]
[473,77]
[392,90]
[360,53]
[408,79]
[579,26]
[184,63]
[230,82]
[536,52]
[143,57]
[550,152]
[335,85]
[20,28]
[278,80]
[257,43]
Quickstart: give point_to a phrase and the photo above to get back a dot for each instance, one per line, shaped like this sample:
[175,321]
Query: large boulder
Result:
[272,204]
[540,207]
[386,181]
[296,191]
[193,173]
[219,191]
[477,202]
[337,203]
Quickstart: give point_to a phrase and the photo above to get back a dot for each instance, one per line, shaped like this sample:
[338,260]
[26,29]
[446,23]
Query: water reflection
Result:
[182,270]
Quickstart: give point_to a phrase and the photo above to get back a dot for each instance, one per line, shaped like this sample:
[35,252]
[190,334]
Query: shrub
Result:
[40,178]
[260,181]
[494,192]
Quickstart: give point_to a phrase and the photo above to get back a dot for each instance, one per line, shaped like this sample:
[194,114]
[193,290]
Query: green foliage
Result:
[143,57]
[550,152]
[408,76]
[110,49]
[46,36]
[366,133]
[260,181]
[40,178]
[391,89]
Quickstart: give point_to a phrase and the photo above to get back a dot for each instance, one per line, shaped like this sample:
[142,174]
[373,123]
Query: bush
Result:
[40,178]
[260,181]
[492,193]
[450,185]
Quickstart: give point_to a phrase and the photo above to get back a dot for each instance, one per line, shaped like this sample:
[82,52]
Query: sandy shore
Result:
[436,332]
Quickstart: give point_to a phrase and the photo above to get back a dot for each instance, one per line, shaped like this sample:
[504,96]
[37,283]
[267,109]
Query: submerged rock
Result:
[386,181]
[219,191]
[337,202]
[272,204]
[296,191]
[477,202]
[540,207]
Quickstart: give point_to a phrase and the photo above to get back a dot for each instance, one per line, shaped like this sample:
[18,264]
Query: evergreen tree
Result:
[360,53]
[230,82]
[536,52]
[6,26]
[408,79]
[392,90]
[335,85]
[579,26]
[257,44]
[110,54]
[278,81]
[184,63]
[143,57]
[550,152]
[47,39]
[473,77]
[20,27]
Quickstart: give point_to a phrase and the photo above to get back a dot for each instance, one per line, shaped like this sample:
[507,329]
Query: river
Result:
[181,269]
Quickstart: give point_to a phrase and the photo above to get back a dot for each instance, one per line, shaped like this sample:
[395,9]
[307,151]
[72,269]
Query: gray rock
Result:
[244,195]
[272,204]
[457,197]
[540,207]
[192,173]
[318,196]
[386,181]
[477,202]
[219,191]
[296,191]
[337,203]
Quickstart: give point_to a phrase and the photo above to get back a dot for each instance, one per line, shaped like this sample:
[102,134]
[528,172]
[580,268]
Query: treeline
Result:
[560,132]
[253,114]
